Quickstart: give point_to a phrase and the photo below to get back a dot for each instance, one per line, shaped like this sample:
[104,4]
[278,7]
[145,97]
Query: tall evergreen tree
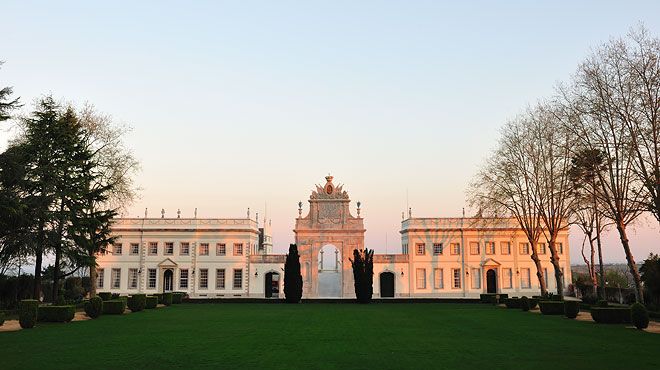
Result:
[363,274]
[7,104]
[293,282]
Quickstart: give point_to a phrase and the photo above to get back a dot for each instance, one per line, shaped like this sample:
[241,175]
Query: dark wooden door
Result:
[386,285]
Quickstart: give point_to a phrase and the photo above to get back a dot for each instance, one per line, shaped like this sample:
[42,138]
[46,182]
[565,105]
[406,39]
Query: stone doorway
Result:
[386,285]
[329,272]
[168,280]
[491,281]
[272,285]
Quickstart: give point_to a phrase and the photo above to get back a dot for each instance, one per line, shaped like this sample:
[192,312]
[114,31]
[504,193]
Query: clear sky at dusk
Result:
[235,105]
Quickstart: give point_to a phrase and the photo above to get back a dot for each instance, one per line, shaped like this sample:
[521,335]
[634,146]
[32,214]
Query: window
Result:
[545,276]
[542,248]
[220,249]
[169,248]
[220,279]
[474,247]
[438,281]
[100,275]
[238,249]
[183,279]
[563,282]
[116,278]
[560,248]
[152,278]
[507,278]
[238,278]
[421,278]
[135,248]
[204,278]
[153,248]
[525,281]
[204,249]
[184,248]
[476,279]
[420,249]
[132,278]
[524,248]
[116,249]
[490,247]
[437,249]
[456,274]
[455,248]
[505,248]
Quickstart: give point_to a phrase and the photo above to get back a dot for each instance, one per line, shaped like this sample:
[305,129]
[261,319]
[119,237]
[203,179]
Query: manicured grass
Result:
[339,336]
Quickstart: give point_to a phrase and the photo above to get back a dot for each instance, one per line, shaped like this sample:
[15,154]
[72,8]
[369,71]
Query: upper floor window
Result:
[542,249]
[238,249]
[490,247]
[220,249]
[135,248]
[560,248]
[153,248]
[116,249]
[474,247]
[524,248]
[437,248]
[421,249]
[169,248]
[455,248]
[505,247]
[204,249]
[184,248]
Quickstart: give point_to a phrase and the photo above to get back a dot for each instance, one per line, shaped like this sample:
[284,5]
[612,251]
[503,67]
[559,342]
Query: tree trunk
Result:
[58,253]
[592,270]
[600,261]
[539,269]
[639,293]
[39,251]
[554,259]
[92,278]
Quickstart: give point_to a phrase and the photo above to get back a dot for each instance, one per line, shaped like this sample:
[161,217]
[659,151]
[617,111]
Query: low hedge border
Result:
[611,315]
[27,313]
[493,298]
[512,302]
[2,318]
[167,299]
[177,297]
[114,307]
[137,302]
[105,296]
[56,313]
[552,307]
[151,302]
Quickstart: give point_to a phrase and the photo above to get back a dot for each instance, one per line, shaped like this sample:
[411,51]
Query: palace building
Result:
[233,257]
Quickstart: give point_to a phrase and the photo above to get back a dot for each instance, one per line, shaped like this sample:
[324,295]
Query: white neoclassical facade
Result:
[233,258]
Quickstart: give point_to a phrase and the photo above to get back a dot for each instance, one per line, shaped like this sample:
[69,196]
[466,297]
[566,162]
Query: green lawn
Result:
[342,336]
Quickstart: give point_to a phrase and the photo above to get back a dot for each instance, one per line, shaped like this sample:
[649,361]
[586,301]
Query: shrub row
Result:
[2,318]
[56,313]
[167,298]
[27,313]
[512,302]
[114,307]
[151,302]
[552,307]
[492,298]
[105,296]
[137,302]
[611,315]
[177,297]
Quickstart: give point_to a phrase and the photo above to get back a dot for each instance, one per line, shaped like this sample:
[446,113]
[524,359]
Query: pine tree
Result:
[7,104]
[292,278]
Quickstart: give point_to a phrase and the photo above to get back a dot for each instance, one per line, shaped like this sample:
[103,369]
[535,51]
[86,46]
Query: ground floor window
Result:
[152,279]
[183,279]
[100,275]
[507,278]
[220,279]
[476,279]
[525,279]
[203,279]
[116,278]
[438,281]
[238,279]
[421,278]
[456,274]
[132,278]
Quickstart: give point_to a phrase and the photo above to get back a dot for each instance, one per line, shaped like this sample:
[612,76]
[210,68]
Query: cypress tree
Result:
[363,274]
[292,277]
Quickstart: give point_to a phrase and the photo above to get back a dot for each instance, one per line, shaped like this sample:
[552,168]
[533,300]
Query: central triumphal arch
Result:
[326,238]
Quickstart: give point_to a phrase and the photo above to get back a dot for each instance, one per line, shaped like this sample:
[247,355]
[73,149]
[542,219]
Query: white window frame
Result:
[220,249]
[117,249]
[168,249]
[420,278]
[203,279]
[505,248]
[116,278]
[524,249]
[437,249]
[456,278]
[186,251]
[525,278]
[238,249]
[477,251]
[220,279]
[507,278]
[153,248]
[152,281]
[100,277]
[134,249]
[438,278]
[183,278]
[455,249]
[489,248]
[238,278]
[420,249]
[203,249]
[132,278]
[476,278]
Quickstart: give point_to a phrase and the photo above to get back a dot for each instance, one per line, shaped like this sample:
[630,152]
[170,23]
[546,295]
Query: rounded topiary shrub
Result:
[552,307]
[533,303]
[571,309]
[512,302]
[105,296]
[27,313]
[524,303]
[639,316]
[137,302]
[56,313]
[94,307]
[114,307]
[167,299]
[151,302]
[177,297]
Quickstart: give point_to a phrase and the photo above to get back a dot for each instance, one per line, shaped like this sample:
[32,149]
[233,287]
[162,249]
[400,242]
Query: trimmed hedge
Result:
[151,302]
[114,307]
[94,307]
[552,307]
[533,302]
[177,297]
[611,315]
[639,316]
[137,302]
[56,313]
[27,313]
[160,297]
[492,298]
[524,303]
[571,309]
[167,299]
[2,318]
[512,302]
[105,296]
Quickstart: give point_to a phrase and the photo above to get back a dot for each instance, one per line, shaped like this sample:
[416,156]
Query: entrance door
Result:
[387,285]
[491,281]
[168,281]
[272,285]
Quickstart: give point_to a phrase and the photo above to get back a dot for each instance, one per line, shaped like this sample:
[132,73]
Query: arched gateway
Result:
[329,222]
